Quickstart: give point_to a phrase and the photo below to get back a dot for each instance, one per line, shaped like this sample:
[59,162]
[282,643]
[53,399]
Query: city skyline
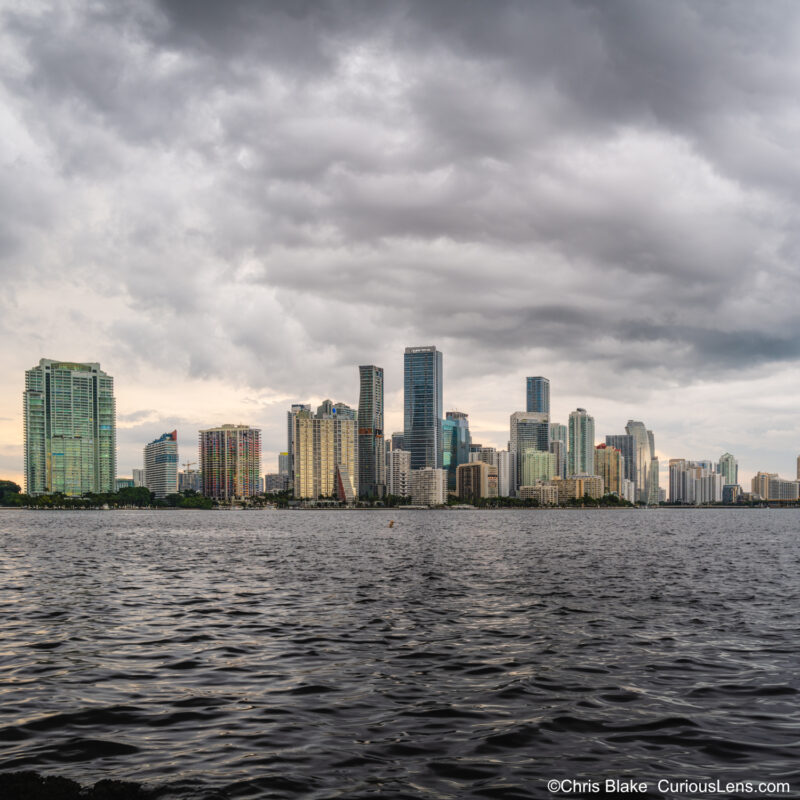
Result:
[602,194]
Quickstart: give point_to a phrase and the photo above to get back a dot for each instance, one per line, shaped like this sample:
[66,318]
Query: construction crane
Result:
[188,464]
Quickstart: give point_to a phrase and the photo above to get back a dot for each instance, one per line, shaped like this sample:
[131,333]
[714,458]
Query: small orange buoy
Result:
[391,523]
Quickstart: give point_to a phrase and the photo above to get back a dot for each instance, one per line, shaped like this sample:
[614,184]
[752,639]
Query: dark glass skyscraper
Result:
[456,442]
[537,395]
[371,448]
[422,406]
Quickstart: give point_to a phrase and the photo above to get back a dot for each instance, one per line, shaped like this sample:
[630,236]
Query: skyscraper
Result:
[643,454]
[537,395]
[422,406]
[290,415]
[609,464]
[325,454]
[456,442]
[371,450]
[230,460]
[626,445]
[161,465]
[728,467]
[528,431]
[70,428]
[581,443]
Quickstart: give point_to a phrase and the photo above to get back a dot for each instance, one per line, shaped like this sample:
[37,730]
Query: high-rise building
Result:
[537,395]
[422,407]
[506,473]
[537,465]
[161,465]
[283,463]
[371,449]
[428,486]
[694,482]
[580,460]
[626,445]
[230,460]
[456,443]
[70,429]
[559,438]
[609,464]
[397,441]
[398,473]
[486,454]
[728,467]
[325,455]
[290,416]
[643,453]
[475,480]
[528,431]
[139,478]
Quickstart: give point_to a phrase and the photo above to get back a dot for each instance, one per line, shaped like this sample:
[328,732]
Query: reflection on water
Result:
[456,654]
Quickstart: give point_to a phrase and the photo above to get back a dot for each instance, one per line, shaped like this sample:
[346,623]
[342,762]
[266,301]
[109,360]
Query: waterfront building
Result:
[798,468]
[428,486]
[69,416]
[609,464]
[643,453]
[123,483]
[230,460]
[728,467]
[577,486]
[325,456]
[537,465]
[398,469]
[771,487]
[475,480]
[456,443]
[283,464]
[139,478]
[371,449]
[537,395]
[506,473]
[422,406]
[295,409]
[628,490]
[731,493]
[626,445]
[581,443]
[545,493]
[190,480]
[528,431]
[694,482]
[161,465]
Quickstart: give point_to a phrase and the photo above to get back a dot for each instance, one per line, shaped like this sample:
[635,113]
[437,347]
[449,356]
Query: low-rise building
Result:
[545,493]
[475,480]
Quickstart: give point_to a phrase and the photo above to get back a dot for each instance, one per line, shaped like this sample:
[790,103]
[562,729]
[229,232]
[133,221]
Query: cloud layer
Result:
[246,200]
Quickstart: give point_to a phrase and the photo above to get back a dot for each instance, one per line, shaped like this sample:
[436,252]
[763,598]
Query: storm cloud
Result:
[246,200]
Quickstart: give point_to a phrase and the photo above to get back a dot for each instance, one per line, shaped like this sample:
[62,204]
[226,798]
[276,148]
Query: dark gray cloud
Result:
[269,193]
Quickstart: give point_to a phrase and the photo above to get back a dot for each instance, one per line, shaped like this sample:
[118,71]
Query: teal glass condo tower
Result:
[70,429]
[456,441]
[422,406]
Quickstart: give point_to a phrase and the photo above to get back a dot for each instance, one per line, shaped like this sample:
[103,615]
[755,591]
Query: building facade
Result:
[422,407]
[456,443]
[190,480]
[371,446]
[428,486]
[161,465]
[230,461]
[398,473]
[528,431]
[325,457]
[476,480]
[580,459]
[537,466]
[728,467]
[506,473]
[609,464]
[537,395]
[69,414]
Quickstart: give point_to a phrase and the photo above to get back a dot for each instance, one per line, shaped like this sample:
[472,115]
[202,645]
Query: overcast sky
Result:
[231,205]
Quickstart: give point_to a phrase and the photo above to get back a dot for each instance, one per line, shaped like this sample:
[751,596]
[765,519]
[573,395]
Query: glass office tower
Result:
[70,429]
[537,395]
[456,442]
[371,447]
[422,406]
